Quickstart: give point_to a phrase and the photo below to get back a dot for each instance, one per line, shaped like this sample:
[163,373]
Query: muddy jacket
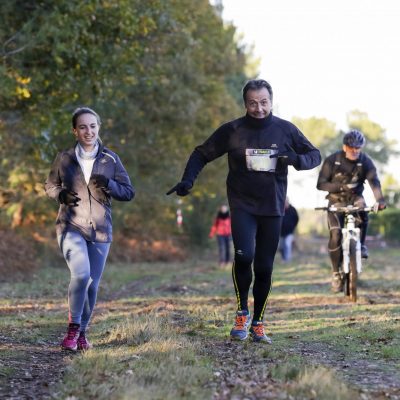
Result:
[92,216]
[337,172]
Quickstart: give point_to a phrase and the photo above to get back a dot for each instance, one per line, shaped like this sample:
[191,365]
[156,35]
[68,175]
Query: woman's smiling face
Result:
[87,131]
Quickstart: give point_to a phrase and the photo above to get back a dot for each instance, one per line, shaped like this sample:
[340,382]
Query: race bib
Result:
[259,160]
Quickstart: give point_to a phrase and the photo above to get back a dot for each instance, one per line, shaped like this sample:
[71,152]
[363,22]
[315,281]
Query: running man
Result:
[260,147]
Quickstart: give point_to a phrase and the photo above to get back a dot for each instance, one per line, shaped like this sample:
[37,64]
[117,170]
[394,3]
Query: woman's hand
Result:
[69,198]
[100,181]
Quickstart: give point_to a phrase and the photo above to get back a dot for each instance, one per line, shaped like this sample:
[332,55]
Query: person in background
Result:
[342,175]
[222,229]
[289,223]
[260,147]
[83,180]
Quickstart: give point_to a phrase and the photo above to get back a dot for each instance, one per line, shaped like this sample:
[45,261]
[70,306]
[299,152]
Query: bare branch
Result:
[10,53]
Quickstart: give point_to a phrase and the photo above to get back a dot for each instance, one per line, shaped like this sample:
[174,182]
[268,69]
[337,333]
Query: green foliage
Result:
[161,74]
[391,188]
[378,146]
[386,223]
[198,217]
[324,135]
[319,131]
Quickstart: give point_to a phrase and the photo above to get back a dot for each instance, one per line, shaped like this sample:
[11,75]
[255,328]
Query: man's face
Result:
[352,153]
[258,103]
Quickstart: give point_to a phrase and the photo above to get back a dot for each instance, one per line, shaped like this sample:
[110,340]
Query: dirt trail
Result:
[242,379]
[375,377]
[36,369]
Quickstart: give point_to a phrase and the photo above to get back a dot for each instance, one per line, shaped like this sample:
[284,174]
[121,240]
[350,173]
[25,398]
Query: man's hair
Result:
[83,110]
[256,84]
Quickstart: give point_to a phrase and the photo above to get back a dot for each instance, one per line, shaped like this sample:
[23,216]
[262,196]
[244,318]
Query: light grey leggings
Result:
[86,261]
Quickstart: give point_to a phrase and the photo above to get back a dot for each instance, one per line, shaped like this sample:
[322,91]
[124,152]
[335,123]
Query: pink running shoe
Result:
[70,341]
[83,343]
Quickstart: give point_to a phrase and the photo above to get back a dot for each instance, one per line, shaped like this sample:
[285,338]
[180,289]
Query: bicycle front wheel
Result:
[352,279]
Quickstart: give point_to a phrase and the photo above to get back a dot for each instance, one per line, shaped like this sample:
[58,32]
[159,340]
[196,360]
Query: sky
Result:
[326,58]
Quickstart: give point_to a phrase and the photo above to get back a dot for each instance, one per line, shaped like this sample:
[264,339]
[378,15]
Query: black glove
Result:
[287,157]
[100,181]
[69,198]
[181,189]
[379,206]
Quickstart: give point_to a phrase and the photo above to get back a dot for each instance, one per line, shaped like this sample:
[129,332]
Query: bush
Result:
[386,223]
[18,255]
[126,249]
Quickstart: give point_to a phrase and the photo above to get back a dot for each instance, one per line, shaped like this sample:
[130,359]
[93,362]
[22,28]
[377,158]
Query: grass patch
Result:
[141,358]
[391,352]
[160,331]
[288,370]
[6,372]
[307,381]
[320,383]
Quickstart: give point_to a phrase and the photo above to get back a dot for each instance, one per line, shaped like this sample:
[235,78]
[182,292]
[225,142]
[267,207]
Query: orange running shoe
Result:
[258,334]
[240,329]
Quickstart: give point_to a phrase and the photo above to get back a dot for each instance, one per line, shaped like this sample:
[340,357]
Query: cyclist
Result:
[260,147]
[343,174]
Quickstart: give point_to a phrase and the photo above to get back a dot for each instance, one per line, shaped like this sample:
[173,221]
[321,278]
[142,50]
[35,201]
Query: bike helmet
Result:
[354,138]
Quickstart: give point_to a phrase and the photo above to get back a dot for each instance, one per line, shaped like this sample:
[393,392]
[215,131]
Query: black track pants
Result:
[255,238]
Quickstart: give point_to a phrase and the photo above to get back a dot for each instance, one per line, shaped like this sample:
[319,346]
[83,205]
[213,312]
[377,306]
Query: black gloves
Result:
[287,157]
[181,189]
[100,181]
[69,198]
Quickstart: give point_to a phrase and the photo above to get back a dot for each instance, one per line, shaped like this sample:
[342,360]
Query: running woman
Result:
[260,147]
[83,180]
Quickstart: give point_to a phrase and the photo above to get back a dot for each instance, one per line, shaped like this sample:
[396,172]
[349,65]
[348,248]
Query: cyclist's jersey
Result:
[337,171]
[256,183]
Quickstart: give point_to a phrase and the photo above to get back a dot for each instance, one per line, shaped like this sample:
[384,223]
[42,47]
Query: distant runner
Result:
[221,228]
[260,147]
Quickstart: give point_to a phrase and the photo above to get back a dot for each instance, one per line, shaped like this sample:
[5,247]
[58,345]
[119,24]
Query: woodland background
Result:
[162,75]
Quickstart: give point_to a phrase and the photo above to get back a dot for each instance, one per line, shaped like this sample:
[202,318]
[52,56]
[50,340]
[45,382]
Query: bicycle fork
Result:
[349,233]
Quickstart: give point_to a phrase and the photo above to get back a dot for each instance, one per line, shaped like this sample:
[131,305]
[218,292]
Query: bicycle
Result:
[351,247]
